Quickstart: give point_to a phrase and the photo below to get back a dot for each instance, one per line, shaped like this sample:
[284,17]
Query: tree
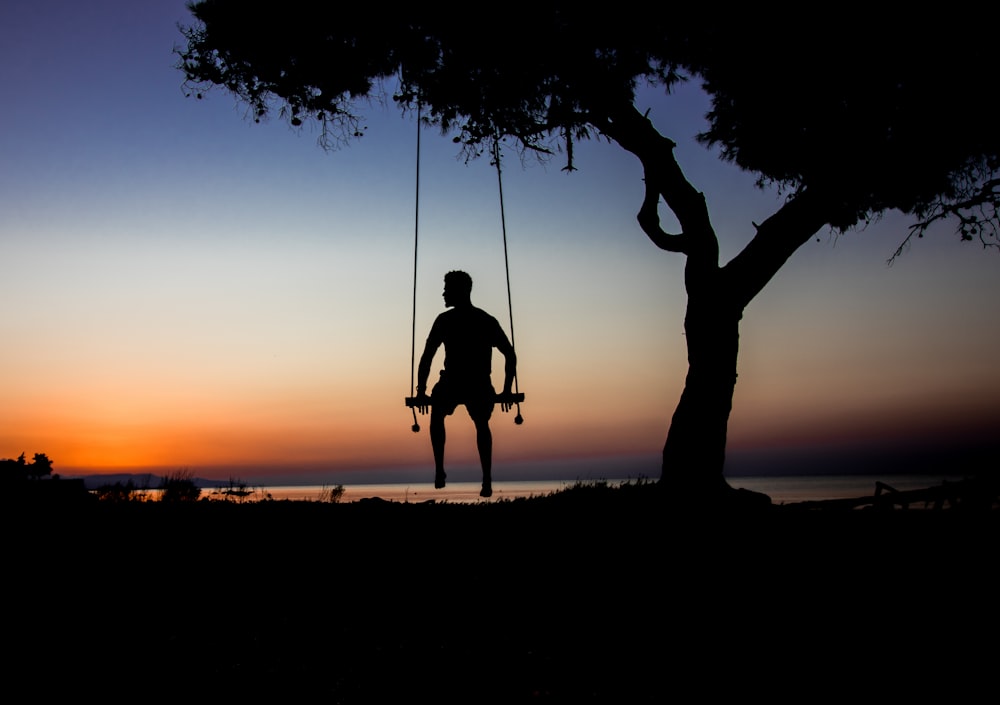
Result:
[21,470]
[41,466]
[14,470]
[847,119]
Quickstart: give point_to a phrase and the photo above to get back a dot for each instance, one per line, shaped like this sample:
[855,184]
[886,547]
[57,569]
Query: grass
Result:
[598,593]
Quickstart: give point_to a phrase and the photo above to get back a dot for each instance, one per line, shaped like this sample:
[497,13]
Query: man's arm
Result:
[509,367]
[502,343]
[424,368]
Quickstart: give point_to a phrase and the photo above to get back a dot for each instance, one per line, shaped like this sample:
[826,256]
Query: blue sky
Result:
[184,288]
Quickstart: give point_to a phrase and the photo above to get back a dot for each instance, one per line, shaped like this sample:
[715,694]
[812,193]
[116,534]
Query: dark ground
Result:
[608,596]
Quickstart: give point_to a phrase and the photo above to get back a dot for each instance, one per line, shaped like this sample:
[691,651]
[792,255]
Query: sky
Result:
[186,291]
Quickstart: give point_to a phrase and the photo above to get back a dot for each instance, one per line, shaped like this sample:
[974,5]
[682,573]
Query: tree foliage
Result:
[885,114]
[17,470]
[323,61]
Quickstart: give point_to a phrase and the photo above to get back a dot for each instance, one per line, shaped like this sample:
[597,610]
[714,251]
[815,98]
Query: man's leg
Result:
[437,444]
[484,441]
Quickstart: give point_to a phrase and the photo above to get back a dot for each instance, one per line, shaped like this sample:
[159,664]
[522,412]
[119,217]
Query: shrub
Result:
[119,493]
[331,495]
[179,487]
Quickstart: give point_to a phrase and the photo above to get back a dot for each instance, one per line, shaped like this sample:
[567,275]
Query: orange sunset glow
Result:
[184,289]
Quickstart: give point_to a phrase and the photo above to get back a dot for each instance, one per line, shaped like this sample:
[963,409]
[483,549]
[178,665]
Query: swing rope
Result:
[416,240]
[410,401]
[506,265]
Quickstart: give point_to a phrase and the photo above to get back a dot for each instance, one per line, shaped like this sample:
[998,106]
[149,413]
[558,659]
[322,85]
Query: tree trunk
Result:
[694,454]
[695,451]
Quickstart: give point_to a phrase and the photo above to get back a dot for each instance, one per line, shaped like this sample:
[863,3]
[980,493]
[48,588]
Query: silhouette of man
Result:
[469,335]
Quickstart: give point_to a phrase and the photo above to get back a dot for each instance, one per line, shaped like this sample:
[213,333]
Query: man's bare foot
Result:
[439,479]
[487,490]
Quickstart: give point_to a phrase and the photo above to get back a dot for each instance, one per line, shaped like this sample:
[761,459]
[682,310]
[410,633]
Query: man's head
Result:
[457,288]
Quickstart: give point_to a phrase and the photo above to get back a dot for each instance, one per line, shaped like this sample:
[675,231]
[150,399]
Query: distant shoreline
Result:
[781,489]
[802,462]
[150,480]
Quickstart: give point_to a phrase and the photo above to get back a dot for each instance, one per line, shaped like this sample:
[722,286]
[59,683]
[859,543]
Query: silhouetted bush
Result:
[239,492]
[120,492]
[179,487]
[331,495]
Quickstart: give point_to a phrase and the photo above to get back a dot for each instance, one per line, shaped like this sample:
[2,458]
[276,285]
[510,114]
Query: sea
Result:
[781,490]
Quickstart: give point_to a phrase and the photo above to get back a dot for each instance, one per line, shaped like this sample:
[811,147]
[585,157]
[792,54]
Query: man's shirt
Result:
[469,335]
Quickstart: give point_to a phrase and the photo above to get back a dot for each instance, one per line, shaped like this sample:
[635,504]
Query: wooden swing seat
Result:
[498,399]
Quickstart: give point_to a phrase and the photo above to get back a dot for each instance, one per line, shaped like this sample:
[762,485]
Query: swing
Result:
[412,401]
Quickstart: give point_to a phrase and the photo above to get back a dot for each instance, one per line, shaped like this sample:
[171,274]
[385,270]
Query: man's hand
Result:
[506,401]
[423,402]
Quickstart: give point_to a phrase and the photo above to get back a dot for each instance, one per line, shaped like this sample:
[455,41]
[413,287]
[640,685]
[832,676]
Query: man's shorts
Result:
[478,399]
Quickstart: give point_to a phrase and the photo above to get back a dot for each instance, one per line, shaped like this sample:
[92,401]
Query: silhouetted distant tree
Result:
[848,118]
[12,470]
[40,466]
[21,470]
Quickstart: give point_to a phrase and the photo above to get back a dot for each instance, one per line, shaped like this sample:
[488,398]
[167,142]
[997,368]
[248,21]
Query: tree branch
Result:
[649,221]
[977,217]
[663,178]
[775,241]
